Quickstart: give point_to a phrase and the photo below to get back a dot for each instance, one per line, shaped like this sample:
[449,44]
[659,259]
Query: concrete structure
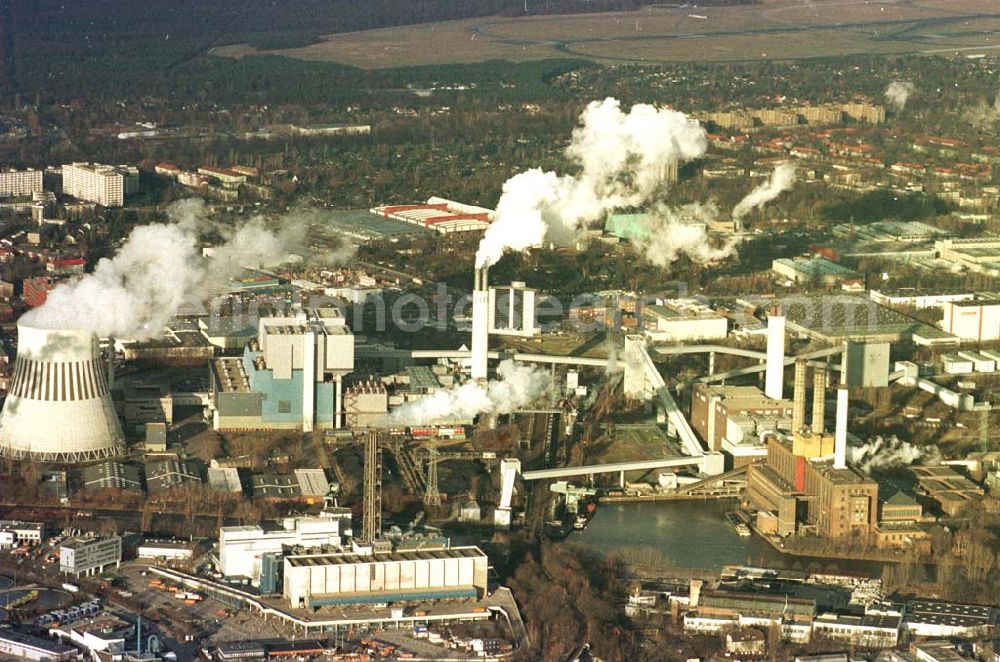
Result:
[242,547]
[774,376]
[643,380]
[712,407]
[27,647]
[366,404]
[973,319]
[20,183]
[347,578]
[89,556]
[867,364]
[811,271]
[290,378]
[840,430]
[512,311]
[59,407]
[480,325]
[147,403]
[681,320]
[102,184]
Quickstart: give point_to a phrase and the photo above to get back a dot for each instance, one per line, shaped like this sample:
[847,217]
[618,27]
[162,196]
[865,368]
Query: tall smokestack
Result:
[819,400]
[774,375]
[799,396]
[480,324]
[840,431]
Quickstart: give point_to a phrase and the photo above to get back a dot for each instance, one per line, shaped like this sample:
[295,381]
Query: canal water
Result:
[692,534]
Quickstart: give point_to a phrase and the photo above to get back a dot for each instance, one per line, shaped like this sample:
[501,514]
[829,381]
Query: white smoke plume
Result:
[674,232]
[890,452]
[158,270]
[781,180]
[518,386]
[983,114]
[621,156]
[898,93]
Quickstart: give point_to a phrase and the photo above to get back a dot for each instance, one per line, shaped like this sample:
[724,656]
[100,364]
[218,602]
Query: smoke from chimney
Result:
[620,155]
[780,181]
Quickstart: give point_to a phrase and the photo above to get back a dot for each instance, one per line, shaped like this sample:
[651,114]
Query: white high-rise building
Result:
[94,182]
[17,183]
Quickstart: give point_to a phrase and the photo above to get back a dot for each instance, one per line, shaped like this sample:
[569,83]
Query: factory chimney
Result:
[840,431]
[799,396]
[480,324]
[819,400]
[775,368]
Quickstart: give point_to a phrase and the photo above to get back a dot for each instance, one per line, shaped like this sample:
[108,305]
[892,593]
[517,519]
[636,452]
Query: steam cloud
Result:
[621,158]
[983,114]
[898,93]
[890,452]
[781,180]
[518,386]
[158,270]
[682,231]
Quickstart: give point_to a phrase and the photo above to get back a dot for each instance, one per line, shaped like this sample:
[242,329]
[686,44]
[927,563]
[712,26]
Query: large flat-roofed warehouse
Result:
[812,271]
[315,580]
[834,318]
[979,254]
[440,215]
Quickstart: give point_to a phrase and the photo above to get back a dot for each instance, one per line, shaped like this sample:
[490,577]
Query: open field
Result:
[772,29]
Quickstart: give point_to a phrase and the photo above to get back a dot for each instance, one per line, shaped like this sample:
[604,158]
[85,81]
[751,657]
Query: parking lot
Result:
[213,620]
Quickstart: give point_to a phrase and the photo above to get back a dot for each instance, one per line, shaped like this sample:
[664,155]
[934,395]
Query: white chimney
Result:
[775,369]
[480,325]
[840,432]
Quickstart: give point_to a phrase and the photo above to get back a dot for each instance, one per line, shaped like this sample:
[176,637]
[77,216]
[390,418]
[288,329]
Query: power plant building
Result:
[59,407]
[800,488]
[715,408]
[290,377]
[242,548]
[347,578]
[512,310]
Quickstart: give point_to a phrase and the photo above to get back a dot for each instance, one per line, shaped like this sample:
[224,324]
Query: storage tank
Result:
[59,406]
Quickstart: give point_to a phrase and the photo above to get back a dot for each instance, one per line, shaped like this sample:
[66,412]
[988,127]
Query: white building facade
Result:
[241,547]
[18,183]
[101,184]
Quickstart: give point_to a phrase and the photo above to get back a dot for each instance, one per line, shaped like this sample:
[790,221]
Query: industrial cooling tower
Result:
[58,407]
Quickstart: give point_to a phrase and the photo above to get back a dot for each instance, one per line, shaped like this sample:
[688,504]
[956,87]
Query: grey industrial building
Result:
[89,556]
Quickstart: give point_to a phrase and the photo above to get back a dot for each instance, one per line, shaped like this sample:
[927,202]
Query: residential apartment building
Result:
[18,183]
[102,184]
